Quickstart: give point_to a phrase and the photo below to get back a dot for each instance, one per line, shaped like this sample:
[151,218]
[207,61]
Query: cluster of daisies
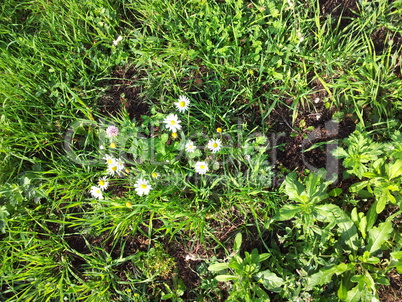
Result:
[116,167]
[172,123]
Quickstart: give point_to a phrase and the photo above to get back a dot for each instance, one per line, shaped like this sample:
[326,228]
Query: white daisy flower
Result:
[112,131]
[115,167]
[190,148]
[103,183]
[142,187]
[110,160]
[201,167]
[172,122]
[182,103]
[96,192]
[214,145]
[112,169]
[120,164]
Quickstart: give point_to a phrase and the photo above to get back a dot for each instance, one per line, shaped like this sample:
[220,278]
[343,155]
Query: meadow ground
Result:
[200,150]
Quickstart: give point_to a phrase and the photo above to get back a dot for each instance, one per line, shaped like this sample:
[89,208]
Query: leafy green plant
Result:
[360,153]
[307,195]
[362,271]
[377,165]
[246,275]
[355,252]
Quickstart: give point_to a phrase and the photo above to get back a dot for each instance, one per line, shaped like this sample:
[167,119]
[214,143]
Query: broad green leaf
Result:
[346,226]
[345,285]
[237,263]
[365,194]
[363,226]
[396,261]
[316,186]
[397,255]
[378,236]
[354,295]
[335,192]
[358,186]
[381,202]
[225,278]
[288,211]
[395,169]
[263,256]
[217,267]
[324,276]
[370,175]
[293,188]
[261,140]
[339,153]
[382,280]
[354,216]
[360,221]
[367,259]
[168,296]
[371,217]
[391,197]
[366,286]
[393,187]
[270,280]
[237,242]
[323,215]
[342,292]
[262,294]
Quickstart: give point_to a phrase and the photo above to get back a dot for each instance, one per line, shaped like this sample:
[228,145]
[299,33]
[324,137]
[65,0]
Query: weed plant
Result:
[180,198]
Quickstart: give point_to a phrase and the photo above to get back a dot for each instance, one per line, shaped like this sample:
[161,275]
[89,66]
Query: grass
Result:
[254,69]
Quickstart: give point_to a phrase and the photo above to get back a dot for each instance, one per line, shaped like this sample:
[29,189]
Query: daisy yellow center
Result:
[114,168]
[109,161]
[143,186]
[215,145]
[174,134]
[154,174]
[98,191]
[182,104]
[172,122]
[202,167]
[101,182]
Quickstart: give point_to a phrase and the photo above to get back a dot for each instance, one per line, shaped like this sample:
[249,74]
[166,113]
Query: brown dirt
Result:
[123,92]
[314,124]
[344,9]
[392,292]
[293,156]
